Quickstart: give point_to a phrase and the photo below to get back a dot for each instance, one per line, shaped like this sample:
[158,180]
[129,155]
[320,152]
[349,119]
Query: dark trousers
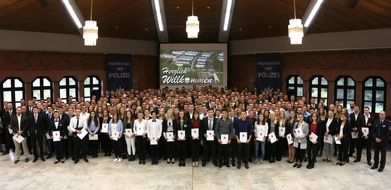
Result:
[209,152]
[154,152]
[343,150]
[71,151]
[59,150]
[382,148]
[281,147]
[243,152]
[181,150]
[299,154]
[364,143]
[141,144]
[312,152]
[353,144]
[49,142]
[80,147]
[224,150]
[94,147]
[195,150]
[272,150]
[34,139]
[105,142]
[170,150]
[65,147]
[234,147]
[117,145]
[9,144]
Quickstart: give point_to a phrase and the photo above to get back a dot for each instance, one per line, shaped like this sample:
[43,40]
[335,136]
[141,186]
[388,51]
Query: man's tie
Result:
[210,124]
[56,123]
[77,123]
[35,117]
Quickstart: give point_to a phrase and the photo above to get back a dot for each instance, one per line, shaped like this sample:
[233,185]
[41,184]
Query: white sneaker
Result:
[116,159]
[119,159]
[256,161]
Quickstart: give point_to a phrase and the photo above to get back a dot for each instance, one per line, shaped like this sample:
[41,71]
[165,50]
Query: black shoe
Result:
[380,169]
[76,161]
[246,166]
[215,163]
[369,163]
[62,161]
[228,166]
[43,159]
[105,153]
[373,167]
[180,164]
[295,165]
[129,158]
[26,160]
[299,166]
[305,159]
[354,161]
[143,161]
[203,164]
[56,162]
[239,166]
[233,163]
[347,160]
[184,164]
[220,166]
[49,156]
[16,161]
[35,159]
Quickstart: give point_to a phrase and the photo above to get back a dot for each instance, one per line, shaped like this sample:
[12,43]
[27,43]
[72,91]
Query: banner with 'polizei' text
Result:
[119,73]
[268,71]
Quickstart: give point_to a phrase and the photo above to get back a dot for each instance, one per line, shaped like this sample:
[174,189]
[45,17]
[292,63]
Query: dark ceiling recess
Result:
[44,3]
[352,3]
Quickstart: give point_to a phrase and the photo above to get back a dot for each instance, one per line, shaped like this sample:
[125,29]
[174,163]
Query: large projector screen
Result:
[193,64]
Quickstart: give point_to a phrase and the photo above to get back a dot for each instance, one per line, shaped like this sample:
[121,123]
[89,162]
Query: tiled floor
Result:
[103,173]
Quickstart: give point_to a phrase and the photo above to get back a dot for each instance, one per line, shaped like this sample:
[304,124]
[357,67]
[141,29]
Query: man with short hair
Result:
[243,125]
[224,132]
[380,134]
[19,125]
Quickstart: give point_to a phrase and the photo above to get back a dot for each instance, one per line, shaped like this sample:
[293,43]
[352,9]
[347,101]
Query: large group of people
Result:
[221,126]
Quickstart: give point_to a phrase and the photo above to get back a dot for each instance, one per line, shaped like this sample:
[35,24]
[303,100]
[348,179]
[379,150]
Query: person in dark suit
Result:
[49,142]
[273,126]
[366,122]
[343,134]
[182,123]
[353,118]
[329,130]
[380,134]
[36,130]
[316,128]
[208,123]
[66,139]
[19,125]
[7,125]
[57,125]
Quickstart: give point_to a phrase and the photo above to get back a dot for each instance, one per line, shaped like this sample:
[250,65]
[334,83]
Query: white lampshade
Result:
[295,29]
[192,27]
[90,33]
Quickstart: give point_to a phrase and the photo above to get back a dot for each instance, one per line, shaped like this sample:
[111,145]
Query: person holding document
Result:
[344,129]
[209,148]
[19,125]
[140,128]
[56,132]
[299,134]
[224,131]
[103,135]
[36,130]
[154,131]
[93,128]
[282,132]
[76,125]
[290,125]
[182,131]
[260,132]
[273,127]
[168,131]
[365,138]
[316,131]
[243,132]
[130,138]
[380,134]
[115,134]
[195,140]
[330,130]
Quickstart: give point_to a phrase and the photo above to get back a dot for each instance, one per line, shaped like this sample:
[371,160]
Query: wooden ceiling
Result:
[133,19]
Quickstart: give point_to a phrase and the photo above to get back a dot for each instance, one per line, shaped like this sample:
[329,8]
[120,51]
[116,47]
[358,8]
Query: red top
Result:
[196,124]
[313,128]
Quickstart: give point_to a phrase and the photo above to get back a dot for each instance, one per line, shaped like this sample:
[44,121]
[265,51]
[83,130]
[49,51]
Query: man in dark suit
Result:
[49,118]
[36,130]
[19,125]
[380,135]
[364,140]
[353,118]
[7,125]
[208,123]
[66,140]
[57,125]
[189,114]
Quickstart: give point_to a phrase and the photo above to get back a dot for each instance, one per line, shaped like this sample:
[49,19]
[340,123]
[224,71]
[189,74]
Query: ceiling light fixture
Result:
[158,15]
[72,12]
[90,31]
[227,15]
[295,28]
[192,24]
[313,12]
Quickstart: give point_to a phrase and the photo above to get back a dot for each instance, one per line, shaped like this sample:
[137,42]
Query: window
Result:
[319,89]
[13,90]
[345,90]
[68,87]
[42,88]
[295,86]
[374,93]
[91,84]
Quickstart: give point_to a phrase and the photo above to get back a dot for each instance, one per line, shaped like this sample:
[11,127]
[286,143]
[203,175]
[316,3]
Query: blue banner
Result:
[119,71]
[268,71]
